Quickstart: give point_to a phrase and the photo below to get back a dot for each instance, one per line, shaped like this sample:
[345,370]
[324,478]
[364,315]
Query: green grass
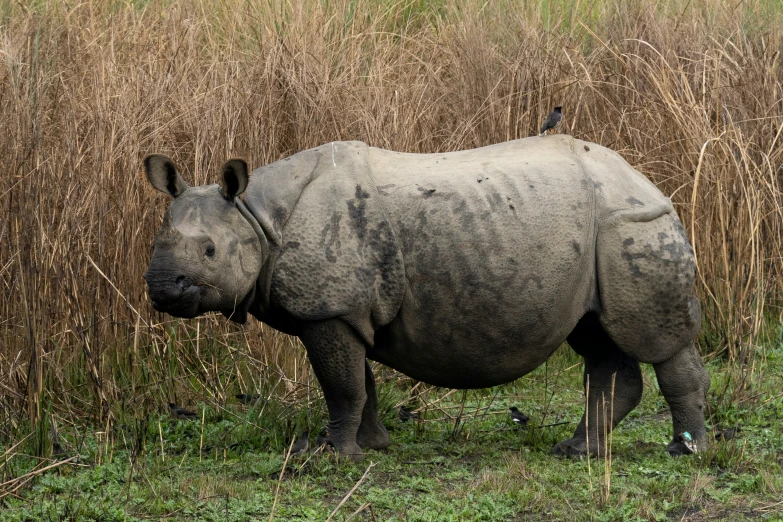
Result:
[484,469]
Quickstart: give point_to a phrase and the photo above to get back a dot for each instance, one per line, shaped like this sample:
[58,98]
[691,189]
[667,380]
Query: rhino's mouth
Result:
[185,305]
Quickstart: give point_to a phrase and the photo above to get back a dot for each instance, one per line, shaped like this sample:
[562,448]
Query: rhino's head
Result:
[207,256]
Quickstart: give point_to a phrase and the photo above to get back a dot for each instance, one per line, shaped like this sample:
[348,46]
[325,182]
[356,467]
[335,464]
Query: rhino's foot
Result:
[373,436]
[684,444]
[576,447]
[573,447]
[677,448]
[350,450]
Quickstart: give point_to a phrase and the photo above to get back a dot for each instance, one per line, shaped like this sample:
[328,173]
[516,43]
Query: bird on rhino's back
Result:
[552,121]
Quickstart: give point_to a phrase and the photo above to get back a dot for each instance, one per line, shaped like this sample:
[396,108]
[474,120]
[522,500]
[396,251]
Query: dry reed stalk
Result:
[162,449]
[608,438]
[280,479]
[358,510]
[351,492]
[587,433]
[201,435]
[458,419]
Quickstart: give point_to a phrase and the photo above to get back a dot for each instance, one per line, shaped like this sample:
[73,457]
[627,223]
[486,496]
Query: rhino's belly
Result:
[476,343]
[466,362]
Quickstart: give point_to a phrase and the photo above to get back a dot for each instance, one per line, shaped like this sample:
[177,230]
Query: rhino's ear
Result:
[163,175]
[235,178]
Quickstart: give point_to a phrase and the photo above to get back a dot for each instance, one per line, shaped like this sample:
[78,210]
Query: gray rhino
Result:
[462,269]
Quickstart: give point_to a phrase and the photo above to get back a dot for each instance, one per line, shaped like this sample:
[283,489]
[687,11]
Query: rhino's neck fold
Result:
[268,257]
[248,215]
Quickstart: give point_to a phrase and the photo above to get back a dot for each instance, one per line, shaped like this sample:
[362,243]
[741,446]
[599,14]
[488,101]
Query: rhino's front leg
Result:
[338,359]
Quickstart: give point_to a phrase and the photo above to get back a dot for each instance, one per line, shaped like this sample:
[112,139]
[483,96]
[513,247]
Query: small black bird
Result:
[323,438]
[552,121]
[57,449]
[248,398]
[181,413]
[728,433]
[300,446]
[406,414]
[322,443]
[518,417]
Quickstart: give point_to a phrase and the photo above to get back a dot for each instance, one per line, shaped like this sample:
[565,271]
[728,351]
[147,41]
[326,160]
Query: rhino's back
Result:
[552,171]
[499,249]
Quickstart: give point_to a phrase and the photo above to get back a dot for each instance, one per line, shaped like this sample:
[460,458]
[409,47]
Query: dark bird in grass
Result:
[322,443]
[323,438]
[248,398]
[406,414]
[57,449]
[727,434]
[300,446]
[181,413]
[552,121]
[518,417]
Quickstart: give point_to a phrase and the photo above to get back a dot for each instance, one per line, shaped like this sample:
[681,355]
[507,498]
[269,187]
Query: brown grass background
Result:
[688,92]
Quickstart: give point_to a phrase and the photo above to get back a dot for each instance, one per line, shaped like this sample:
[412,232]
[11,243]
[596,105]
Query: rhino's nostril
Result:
[183,283]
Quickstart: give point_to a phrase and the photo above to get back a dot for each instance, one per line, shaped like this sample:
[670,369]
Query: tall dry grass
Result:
[688,91]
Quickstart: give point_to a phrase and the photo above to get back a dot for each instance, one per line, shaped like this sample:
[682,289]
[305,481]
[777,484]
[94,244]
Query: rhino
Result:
[463,269]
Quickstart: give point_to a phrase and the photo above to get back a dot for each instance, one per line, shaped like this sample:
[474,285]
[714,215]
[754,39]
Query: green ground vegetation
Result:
[462,459]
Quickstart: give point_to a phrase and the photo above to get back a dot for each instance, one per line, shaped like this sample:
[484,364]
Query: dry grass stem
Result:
[280,479]
[351,492]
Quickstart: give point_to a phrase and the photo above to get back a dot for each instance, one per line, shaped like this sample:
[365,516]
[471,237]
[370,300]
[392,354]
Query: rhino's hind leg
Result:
[372,434]
[646,273]
[338,359]
[605,407]
[684,383]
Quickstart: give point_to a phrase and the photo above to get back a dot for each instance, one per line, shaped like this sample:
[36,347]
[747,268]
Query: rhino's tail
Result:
[644,214]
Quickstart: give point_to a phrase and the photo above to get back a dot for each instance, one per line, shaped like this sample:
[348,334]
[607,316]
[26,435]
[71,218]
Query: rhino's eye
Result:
[210,251]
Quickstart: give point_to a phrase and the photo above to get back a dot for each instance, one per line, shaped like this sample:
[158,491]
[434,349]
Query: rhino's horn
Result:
[168,233]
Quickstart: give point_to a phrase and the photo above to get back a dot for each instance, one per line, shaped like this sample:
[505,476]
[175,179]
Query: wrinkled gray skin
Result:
[464,270]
